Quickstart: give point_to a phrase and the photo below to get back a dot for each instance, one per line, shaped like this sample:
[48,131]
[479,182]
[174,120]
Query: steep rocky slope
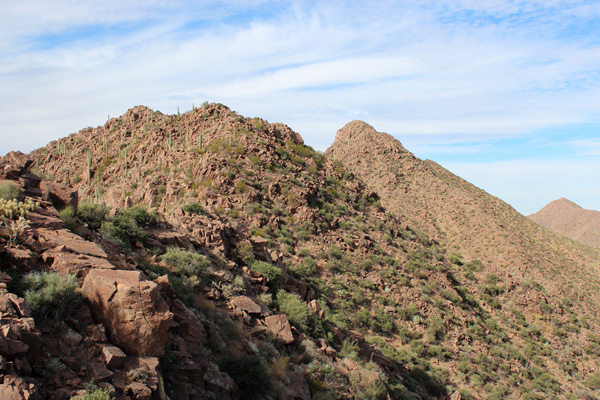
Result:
[569,219]
[470,224]
[216,256]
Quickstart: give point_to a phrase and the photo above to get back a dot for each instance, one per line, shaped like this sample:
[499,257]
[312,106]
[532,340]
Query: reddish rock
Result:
[97,333]
[98,371]
[456,396]
[54,239]
[170,238]
[59,194]
[138,391]
[72,338]
[76,264]
[246,304]
[190,327]
[131,308]
[219,382]
[15,388]
[281,328]
[113,356]
[297,386]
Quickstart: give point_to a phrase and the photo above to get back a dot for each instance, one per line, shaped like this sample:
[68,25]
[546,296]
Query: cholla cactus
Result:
[13,209]
[11,229]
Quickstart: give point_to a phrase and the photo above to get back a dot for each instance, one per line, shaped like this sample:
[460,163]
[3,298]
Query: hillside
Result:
[210,255]
[471,224]
[569,219]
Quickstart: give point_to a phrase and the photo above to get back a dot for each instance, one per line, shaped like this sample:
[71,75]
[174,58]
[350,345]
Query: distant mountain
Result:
[567,218]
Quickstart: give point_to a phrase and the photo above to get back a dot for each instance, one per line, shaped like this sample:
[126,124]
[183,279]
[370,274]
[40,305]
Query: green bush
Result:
[67,215]
[93,214]
[299,314]
[183,290]
[49,295]
[187,263]
[270,271]
[96,394]
[10,191]
[249,373]
[127,226]
[194,208]
[594,380]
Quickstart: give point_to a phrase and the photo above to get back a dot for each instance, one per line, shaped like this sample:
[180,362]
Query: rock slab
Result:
[130,307]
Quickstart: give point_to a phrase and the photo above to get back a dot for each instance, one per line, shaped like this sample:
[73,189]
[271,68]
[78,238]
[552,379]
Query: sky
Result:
[505,94]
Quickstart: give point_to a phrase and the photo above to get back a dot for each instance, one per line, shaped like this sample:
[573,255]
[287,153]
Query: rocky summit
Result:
[207,255]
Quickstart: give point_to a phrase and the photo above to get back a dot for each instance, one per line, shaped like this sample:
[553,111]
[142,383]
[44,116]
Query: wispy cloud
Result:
[586,147]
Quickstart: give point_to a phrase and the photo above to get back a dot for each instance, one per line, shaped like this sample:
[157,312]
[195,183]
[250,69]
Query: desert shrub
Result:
[594,380]
[10,191]
[194,208]
[270,271]
[474,265]
[54,367]
[93,214]
[367,386]
[187,263]
[299,314]
[127,226]
[49,295]
[67,215]
[349,349]
[183,290]
[245,252]
[140,215]
[152,270]
[95,394]
[249,373]
[435,329]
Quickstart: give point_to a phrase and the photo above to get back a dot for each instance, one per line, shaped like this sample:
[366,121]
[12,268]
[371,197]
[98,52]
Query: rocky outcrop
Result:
[130,306]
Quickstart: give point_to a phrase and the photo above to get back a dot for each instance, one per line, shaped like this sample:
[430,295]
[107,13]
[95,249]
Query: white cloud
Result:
[586,147]
[424,71]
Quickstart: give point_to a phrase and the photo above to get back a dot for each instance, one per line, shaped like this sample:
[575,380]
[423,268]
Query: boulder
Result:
[64,240]
[131,309]
[281,328]
[456,396]
[297,386]
[113,356]
[138,391]
[246,304]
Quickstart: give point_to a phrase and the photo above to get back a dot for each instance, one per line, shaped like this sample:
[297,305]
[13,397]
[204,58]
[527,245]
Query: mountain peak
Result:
[571,220]
[566,202]
[358,137]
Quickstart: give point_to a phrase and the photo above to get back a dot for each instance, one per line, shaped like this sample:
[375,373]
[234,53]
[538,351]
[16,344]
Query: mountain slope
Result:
[569,219]
[472,225]
[243,229]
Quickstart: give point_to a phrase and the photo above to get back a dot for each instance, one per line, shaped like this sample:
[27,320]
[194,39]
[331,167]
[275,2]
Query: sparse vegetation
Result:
[50,295]
[10,191]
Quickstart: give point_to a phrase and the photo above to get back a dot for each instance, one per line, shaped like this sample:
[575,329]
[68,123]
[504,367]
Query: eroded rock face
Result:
[131,309]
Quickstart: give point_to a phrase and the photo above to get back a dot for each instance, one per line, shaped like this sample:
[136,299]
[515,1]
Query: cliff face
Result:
[208,255]
[569,219]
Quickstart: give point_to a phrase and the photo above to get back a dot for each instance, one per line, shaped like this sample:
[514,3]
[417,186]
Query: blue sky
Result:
[503,93]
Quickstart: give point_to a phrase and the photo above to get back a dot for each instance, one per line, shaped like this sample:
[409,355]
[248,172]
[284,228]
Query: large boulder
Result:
[130,307]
